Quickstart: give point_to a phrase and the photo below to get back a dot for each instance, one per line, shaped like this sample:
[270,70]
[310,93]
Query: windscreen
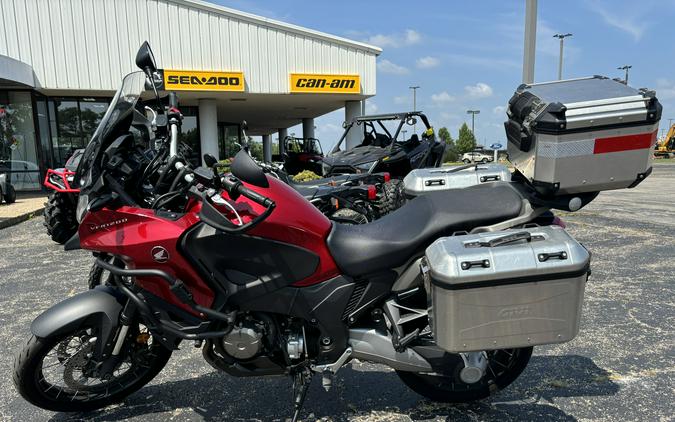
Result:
[117,119]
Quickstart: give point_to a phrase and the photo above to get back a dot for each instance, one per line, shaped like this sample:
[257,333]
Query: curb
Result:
[20,218]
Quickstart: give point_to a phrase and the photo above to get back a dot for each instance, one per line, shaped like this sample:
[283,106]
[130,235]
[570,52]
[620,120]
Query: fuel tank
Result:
[294,221]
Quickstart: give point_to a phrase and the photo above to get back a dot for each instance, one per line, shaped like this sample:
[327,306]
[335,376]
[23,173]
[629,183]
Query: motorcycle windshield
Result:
[116,121]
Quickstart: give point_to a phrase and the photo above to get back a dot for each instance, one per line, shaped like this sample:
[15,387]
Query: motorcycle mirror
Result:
[244,125]
[411,121]
[344,125]
[210,160]
[145,59]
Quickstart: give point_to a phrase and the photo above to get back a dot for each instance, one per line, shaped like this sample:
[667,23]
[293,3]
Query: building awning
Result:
[15,74]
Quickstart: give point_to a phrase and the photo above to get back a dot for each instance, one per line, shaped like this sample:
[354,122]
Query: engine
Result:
[244,341]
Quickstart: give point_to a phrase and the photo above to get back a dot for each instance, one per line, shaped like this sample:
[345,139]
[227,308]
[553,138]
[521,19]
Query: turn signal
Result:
[387,177]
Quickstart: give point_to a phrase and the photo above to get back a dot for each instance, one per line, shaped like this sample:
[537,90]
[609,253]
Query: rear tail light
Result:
[372,192]
[387,177]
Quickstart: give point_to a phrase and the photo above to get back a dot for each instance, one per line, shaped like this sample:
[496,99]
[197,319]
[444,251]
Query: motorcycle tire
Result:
[33,385]
[59,217]
[505,365]
[391,197]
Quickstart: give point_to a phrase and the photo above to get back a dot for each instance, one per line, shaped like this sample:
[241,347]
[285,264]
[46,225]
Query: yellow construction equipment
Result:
[665,147]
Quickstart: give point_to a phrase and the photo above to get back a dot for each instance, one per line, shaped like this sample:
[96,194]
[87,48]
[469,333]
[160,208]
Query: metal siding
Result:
[90,44]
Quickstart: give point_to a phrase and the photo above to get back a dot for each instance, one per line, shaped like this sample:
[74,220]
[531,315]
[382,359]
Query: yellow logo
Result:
[193,80]
[325,84]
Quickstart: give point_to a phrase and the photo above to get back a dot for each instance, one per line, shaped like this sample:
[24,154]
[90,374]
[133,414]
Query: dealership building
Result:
[61,62]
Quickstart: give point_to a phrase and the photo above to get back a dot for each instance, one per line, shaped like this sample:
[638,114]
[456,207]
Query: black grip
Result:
[255,196]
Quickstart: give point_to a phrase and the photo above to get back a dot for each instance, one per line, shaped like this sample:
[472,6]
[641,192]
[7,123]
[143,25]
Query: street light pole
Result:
[414,90]
[473,118]
[560,62]
[625,67]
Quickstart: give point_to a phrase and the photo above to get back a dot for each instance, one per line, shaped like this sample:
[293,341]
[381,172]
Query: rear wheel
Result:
[60,218]
[504,366]
[59,374]
[484,160]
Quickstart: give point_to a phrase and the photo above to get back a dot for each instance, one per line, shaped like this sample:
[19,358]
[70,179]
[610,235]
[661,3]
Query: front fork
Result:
[111,353]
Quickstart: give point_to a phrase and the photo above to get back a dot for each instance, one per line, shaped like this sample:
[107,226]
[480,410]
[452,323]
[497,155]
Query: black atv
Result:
[59,212]
[380,151]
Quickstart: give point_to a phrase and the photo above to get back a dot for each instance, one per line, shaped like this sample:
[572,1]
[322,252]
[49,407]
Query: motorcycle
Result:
[255,275]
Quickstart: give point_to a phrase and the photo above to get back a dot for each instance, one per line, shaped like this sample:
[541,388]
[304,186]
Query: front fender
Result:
[99,307]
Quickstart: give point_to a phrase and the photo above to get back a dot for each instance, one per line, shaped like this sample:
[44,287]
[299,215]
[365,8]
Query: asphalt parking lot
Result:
[620,367]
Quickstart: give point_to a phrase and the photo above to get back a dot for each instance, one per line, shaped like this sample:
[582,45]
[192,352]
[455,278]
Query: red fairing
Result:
[134,233]
[294,221]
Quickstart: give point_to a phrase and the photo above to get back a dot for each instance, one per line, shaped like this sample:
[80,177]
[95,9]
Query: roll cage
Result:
[377,119]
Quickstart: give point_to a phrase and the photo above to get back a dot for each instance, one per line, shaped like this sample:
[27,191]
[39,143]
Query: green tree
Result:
[444,134]
[450,147]
[466,142]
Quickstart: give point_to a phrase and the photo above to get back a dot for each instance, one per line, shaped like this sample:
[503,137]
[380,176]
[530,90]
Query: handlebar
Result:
[210,215]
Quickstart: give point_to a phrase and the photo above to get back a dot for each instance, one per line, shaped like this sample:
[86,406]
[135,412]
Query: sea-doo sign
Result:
[325,84]
[195,80]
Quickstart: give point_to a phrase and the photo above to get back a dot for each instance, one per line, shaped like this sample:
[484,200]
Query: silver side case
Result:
[421,181]
[498,290]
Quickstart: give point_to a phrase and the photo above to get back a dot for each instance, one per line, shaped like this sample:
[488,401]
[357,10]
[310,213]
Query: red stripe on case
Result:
[624,143]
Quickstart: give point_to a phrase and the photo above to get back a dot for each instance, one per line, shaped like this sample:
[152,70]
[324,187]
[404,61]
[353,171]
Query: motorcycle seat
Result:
[405,233]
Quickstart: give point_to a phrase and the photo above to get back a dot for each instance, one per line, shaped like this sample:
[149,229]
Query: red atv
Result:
[59,211]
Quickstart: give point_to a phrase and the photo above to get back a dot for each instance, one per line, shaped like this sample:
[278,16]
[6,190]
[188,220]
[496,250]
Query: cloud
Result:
[665,89]
[427,62]
[442,98]
[499,110]
[401,99]
[409,37]
[632,23]
[371,107]
[385,66]
[480,90]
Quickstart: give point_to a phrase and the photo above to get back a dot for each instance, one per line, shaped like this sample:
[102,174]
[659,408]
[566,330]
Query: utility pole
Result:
[414,90]
[625,68]
[530,41]
[473,118]
[560,62]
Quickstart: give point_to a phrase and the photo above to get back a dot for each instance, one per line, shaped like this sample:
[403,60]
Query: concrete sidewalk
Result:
[25,207]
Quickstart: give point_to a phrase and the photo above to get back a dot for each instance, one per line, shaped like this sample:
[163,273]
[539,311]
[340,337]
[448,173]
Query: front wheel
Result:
[59,373]
[504,366]
[9,195]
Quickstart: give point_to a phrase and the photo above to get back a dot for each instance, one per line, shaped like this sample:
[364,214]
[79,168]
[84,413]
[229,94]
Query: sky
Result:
[468,55]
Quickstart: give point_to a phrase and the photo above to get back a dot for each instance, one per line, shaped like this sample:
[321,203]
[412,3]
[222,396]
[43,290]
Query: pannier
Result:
[513,288]
[582,135]
[421,181]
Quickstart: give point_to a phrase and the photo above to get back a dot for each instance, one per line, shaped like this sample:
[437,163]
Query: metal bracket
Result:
[333,367]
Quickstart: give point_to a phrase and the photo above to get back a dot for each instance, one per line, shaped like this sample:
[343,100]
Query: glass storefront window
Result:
[18,155]
[189,134]
[73,122]
[229,135]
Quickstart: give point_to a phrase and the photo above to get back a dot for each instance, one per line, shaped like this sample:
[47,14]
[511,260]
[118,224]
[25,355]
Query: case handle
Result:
[434,182]
[483,263]
[500,241]
[494,177]
[543,257]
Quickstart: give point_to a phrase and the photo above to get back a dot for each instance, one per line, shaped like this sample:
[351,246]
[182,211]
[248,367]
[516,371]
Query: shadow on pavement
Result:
[358,393]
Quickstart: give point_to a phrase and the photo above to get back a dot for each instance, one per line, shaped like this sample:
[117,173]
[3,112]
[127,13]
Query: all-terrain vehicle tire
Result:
[9,194]
[60,218]
[391,197]
[348,216]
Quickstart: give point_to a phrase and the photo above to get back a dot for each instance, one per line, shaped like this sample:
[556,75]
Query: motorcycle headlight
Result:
[81,210]
[365,167]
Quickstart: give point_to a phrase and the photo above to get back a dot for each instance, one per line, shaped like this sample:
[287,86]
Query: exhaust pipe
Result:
[372,346]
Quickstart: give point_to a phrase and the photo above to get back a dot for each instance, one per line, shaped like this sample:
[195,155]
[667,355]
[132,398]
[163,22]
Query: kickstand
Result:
[301,381]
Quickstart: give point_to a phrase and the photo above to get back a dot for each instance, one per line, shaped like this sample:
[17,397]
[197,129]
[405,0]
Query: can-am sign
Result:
[195,80]
[325,84]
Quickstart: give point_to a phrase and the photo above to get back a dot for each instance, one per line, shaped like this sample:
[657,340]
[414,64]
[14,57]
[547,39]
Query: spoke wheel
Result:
[504,366]
[60,373]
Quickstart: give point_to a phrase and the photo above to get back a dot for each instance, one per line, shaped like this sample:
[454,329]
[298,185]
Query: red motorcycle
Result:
[250,271]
